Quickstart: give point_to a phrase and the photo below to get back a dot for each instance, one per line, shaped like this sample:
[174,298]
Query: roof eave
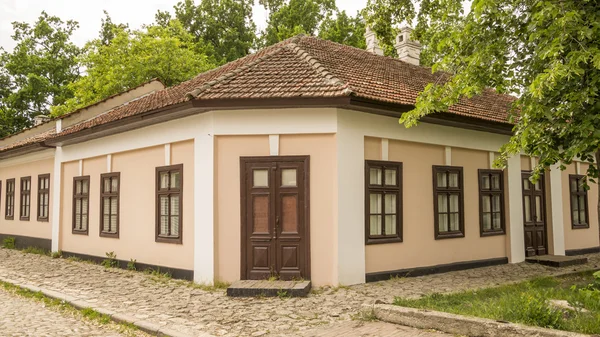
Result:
[25,149]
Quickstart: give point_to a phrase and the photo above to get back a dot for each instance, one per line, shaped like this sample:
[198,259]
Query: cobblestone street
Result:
[178,306]
[21,317]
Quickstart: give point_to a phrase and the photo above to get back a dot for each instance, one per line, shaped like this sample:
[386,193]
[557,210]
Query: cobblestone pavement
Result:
[191,310]
[360,329]
[21,317]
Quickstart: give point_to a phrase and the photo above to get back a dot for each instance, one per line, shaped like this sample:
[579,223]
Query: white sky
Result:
[88,14]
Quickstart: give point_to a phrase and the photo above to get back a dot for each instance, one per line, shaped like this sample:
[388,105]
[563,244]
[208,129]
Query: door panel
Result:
[534,223]
[275,217]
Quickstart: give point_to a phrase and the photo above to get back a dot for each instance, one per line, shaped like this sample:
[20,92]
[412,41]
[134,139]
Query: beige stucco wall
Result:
[419,247]
[585,237]
[137,207]
[322,152]
[31,228]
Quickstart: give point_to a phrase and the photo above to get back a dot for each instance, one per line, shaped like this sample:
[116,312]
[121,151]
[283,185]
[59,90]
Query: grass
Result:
[8,242]
[525,302]
[64,307]
[36,250]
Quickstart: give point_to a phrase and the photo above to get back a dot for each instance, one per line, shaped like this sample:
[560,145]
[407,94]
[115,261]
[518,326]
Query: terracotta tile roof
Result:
[35,139]
[305,66]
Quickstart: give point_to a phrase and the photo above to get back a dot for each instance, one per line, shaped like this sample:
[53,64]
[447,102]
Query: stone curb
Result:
[458,324]
[148,327]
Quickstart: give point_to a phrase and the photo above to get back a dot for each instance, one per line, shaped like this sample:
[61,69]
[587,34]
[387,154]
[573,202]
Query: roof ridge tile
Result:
[330,78]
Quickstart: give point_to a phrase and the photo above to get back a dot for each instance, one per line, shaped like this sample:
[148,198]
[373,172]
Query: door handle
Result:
[276,227]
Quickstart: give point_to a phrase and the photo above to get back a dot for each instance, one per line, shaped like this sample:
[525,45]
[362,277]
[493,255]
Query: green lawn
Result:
[526,303]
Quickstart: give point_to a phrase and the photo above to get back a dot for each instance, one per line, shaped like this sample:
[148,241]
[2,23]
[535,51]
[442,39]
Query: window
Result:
[81,204]
[383,187]
[448,202]
[579,202]
[25,204]
[491,202]
[109,204]
[10,199]
[43,197]
[169,187]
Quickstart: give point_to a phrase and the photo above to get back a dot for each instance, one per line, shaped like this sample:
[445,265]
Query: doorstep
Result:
[557,261]
[255,288]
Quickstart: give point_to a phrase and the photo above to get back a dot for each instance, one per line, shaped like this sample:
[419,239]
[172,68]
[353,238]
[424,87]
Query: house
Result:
[290,161]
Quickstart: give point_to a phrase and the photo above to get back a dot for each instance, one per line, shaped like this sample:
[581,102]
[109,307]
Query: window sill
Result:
[9,218]
[583,226]
[450,235]
[109,235]
[375,241]
[169,239]
[492,233]
[80,232]
[43,220]
[23,218]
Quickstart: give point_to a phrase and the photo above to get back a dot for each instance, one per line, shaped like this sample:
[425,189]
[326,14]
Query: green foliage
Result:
[283,294]
[344,29]
[92,314]
[546,53]
[292,17]
[56,255]
[131,265]
[110,261]
[525,302]
[8,242]
[36,74]
[226,25]
[36,250]
[132,58]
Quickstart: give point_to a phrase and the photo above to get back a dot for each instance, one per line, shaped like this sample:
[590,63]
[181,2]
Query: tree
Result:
[344,29]
[544,52]
[290,18]
[226,25]
[35,74]
[108,29]
[132,58]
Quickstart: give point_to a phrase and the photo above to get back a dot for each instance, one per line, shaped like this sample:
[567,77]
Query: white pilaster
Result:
[385,149]
[204,205]
[577,167]
[56,202]
[558,229]
[109,163]
[80,167]
[515,202]
[492,156]
[274,145]
[351,204]
[167,154]
[448,156]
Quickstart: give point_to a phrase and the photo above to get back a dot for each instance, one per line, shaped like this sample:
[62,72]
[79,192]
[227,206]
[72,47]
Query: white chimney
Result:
[372,42]
[408,50]
[40,119]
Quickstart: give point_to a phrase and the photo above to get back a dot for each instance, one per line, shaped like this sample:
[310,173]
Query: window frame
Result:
[169,192]
[81,196]
[104,194]
[22,194]
[40,192]
[461,200]
[383,189]
[577,178]
[10,196]
[491,232]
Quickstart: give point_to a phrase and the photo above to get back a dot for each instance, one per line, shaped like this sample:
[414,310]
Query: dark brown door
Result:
[275,217]
[534,216]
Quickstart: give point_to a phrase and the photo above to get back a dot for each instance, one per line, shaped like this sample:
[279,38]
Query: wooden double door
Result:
[275,217]
[534,216]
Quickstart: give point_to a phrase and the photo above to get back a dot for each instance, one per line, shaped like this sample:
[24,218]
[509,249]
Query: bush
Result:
[8,242]
[131,265]
[111,260]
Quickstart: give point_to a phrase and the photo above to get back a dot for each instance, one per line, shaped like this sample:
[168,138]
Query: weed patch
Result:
[526,303]
[8,242]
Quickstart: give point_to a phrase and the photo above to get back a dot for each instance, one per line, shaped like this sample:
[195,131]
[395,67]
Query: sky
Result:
[89,13]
